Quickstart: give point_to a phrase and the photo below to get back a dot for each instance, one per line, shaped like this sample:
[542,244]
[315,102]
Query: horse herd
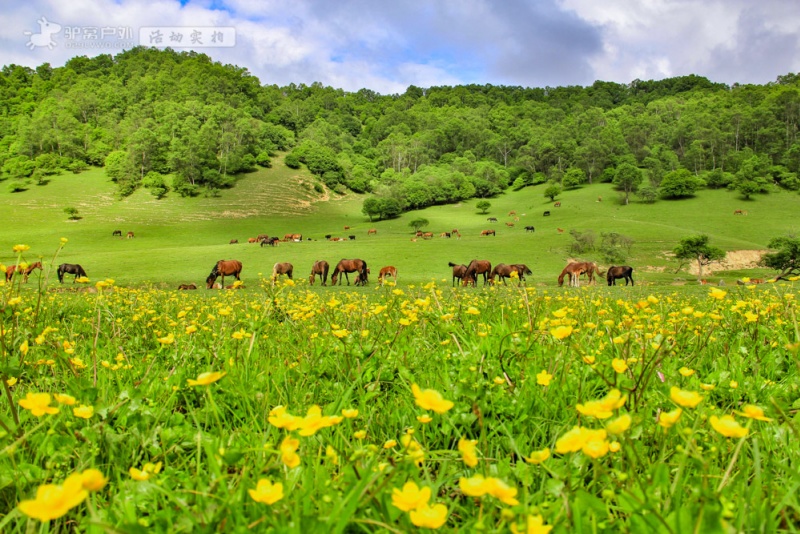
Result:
[320,268]
[574,270]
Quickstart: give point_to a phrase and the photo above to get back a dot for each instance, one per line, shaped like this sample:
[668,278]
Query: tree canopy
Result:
[697,247]
[198,123]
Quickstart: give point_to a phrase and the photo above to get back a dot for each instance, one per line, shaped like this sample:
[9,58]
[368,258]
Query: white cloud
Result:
[386,47]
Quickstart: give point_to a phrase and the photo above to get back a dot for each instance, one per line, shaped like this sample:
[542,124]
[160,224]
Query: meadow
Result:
[178,240]
[404,407]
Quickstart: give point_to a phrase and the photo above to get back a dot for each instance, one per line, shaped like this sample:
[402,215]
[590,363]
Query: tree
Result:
[573,178]
[72,213]
[647,193]
[786,257]
[680,184]
[371,207]
[418,223]
[552,191]
[628,178]
[696,247]
[483,206]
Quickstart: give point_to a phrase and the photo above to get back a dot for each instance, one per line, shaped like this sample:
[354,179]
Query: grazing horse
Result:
[116,233]
[387,271]
[475,268]
[187,286]
[69,268]
[530,229]
[259,237]
[351,237]
[512,213]
[522,270]
[557,205]
[510,225]
[346,227]
[321,268]
[224,268]
[575,270]
[444,234]
[372,231]
[27,272]
[234,242]
[740,212]
[350,266]
[130,235]
[502,271]
[546,214]
[271,241]
[489,232]
[282,268]
[619,272]
[458,271]
[10,270]
[427,235]
[492,219]
[252,240]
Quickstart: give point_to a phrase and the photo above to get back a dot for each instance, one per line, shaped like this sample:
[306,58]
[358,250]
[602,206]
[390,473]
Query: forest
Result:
[180,123]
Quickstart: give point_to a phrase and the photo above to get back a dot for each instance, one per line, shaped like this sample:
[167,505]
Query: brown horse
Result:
[234,242]
[372,231]
[475,268]
[282,268]
[387,271]
[502,271]
[623,271]
[575,270]
[187,286]
[350,266]
[224,268]
[130,235]
[458,271]
[27,272]
[321,268]
[488,232]
[10,270]
[360,281]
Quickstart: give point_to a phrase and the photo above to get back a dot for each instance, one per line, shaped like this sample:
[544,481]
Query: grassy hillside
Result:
[179,239]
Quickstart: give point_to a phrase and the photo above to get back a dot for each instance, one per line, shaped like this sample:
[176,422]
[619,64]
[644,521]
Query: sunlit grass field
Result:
[128,406]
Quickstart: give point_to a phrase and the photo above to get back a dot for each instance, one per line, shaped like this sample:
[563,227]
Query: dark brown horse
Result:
[69,268]
[10,270]
[224,268]
[387,271]
[623,271]
[475,268]
[187,286]
[488,232]
[522,270]
[282,268]
[321,268]
[502,271]
[458,271]
[350,266]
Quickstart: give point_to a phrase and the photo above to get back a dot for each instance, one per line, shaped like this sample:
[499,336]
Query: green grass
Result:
[179,239]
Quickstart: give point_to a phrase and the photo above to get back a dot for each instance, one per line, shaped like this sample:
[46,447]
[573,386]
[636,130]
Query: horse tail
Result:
[451,264]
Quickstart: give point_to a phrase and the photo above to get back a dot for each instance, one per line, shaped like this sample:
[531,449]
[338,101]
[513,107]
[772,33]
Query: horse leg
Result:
[348,278]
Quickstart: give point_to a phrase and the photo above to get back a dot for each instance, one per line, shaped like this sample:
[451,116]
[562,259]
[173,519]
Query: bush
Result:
[264,160]
[292,161]
[16,186]
[18,167]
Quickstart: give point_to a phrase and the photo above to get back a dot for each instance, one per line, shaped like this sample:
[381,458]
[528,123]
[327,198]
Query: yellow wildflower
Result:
[289,455]
[53,501]
[350,413]
[687,399]
[431,517]
[534,524]
[727,426]
[69,400]
[754,412]
[561,332]
[537,457]
[430,399]
[205,379]
[38,404]
[266,492]
[410,497]
[83,411]
[544,378]
[667,419]
[619,425]
[467,449]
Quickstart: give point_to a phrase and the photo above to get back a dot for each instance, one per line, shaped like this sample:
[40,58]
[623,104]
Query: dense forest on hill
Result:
[179,121]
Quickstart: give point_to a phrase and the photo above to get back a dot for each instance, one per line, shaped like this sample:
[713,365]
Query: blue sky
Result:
[387,46]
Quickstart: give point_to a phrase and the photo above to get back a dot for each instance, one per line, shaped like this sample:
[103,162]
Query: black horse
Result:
[619,272]
[69,268]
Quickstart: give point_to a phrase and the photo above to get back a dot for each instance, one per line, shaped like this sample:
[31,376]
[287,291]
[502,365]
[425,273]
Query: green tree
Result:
[628,178]
[696,247]
[371,207]
[786,257]
[419,223]
[680,183]
[574,177]
[552,191]
[483,206]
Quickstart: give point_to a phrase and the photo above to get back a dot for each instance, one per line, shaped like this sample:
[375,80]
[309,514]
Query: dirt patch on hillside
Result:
[735,260]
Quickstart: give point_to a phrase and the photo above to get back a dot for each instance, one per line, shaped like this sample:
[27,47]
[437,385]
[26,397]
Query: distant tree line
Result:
[161,119]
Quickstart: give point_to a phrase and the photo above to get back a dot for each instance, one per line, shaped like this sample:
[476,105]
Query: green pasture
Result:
[179,239]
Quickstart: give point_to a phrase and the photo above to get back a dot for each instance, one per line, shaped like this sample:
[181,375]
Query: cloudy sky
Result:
[387,45]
